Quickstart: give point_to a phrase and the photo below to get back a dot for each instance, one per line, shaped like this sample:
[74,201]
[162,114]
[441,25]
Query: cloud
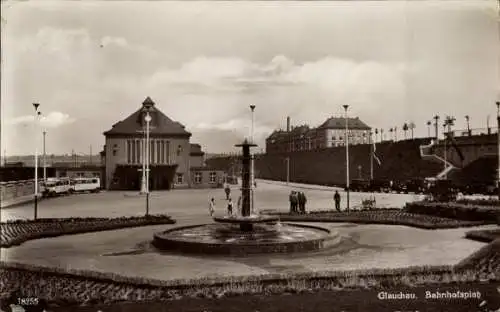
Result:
[239,127]
[52,120]
[397,69]
[222,88]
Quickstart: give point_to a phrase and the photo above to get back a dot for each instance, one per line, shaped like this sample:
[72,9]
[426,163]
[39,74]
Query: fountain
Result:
[246,233]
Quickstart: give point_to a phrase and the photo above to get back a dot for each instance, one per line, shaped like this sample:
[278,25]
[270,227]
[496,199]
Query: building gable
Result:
[135,123]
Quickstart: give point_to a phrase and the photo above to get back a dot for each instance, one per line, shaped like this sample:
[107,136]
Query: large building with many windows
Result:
[174,161]
[329,134]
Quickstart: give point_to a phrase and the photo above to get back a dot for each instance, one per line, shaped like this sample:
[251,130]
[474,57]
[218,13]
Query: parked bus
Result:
[92,185]
[57,187]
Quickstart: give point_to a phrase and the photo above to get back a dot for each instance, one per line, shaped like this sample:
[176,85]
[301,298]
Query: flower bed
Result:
[381,216]
[485,236]
[455,210]
[486,259]
[64,287]
[480,202]
[16,232]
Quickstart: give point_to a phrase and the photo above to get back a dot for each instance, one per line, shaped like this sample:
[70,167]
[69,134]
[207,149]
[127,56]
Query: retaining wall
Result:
[15,189]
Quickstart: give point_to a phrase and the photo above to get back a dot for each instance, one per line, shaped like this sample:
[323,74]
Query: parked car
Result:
[417,186]
[359,185]
[92,185]
[378,185]
[443,190]
[57,187]
[399,187]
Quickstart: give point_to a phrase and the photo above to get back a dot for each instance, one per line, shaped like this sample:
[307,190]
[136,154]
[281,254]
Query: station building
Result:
[174,161]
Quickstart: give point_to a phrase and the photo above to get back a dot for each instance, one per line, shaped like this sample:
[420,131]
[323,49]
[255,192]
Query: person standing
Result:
[300,202]
[336,198]
[239,205]
[230,207]
[290,199]
[304,201]
[227,190]
[211,206]
[295,202]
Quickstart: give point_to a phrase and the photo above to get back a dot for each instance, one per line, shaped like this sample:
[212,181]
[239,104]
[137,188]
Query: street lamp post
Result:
[252,161]
[148,120]
[37,113]
[287,160]
[347,153]
[498,138]
[143,154]
[467,118]
[445,152]
[372,143]
[436,125]
[44,158]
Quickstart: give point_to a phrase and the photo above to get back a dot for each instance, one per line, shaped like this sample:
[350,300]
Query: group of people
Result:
[298,202]
[230,206]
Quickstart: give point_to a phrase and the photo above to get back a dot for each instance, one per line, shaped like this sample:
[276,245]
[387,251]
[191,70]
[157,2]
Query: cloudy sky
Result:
[91,64]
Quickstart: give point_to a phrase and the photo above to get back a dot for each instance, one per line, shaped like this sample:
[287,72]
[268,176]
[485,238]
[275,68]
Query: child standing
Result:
[211,206]
[230,207]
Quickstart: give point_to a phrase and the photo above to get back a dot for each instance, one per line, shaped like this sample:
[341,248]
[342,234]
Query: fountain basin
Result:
[246,222]
[229,239]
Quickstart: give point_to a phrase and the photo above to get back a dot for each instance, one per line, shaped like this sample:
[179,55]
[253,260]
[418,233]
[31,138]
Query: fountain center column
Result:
[246,187]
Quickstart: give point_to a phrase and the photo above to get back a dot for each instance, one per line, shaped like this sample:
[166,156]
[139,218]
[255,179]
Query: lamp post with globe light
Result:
[148,120]
[44,158]
[143,155]
[37,114]
[347,153]
[252,159]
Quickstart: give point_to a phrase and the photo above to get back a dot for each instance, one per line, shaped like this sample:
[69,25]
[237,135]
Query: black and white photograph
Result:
[250,156]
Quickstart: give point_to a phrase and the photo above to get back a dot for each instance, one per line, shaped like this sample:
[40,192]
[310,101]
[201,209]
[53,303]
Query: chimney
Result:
[288,124]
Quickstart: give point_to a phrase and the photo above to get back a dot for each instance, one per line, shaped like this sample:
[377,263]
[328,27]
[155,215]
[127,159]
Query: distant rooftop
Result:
[339,123]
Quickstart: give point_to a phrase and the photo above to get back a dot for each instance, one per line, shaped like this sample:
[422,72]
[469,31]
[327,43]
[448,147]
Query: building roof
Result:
[300,129]
[339,123]
[196,150]
[160,124]
[277,134]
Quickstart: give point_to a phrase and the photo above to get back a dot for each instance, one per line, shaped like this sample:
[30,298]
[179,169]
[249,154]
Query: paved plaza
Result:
[192,203]
[128,252]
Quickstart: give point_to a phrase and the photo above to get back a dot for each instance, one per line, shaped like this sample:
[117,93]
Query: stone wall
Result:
[12,190]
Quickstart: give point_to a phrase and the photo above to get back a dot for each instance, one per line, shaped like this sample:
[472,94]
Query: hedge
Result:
[485,260]
[480,202]
[455,210]
[72,287]
[485,236]
[16,232]
[381,216]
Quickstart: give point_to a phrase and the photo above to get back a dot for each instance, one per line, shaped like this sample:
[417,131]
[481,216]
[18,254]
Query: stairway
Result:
[433,157]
